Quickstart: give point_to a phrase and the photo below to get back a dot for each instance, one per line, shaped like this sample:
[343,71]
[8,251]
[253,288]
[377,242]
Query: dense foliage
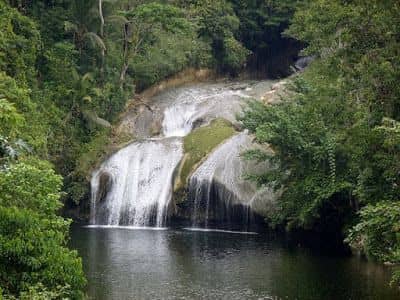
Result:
[34,259]
[33,251]
[67,70]
[336,138]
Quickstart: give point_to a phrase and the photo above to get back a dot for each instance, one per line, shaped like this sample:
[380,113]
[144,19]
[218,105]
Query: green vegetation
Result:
[247,32]
[34,257]
[67,69]
[200,142]
[337,137]
[378,233]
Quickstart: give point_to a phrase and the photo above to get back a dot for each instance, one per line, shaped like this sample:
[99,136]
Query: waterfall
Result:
[133,187]
[303,62]
[141,184]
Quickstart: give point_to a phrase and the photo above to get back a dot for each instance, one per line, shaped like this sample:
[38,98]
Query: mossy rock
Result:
[198,145]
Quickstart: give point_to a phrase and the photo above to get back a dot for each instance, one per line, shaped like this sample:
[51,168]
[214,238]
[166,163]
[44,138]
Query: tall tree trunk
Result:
[101,18]
[125,57]
[102,36]
[123,75]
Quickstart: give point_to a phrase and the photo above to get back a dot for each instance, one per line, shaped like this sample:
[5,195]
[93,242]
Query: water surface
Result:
[127,263]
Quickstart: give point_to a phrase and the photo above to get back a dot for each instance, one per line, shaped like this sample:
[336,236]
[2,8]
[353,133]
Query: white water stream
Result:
[141,186]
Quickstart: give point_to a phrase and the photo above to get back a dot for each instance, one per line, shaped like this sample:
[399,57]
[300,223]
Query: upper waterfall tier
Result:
[199,104]
[177,111]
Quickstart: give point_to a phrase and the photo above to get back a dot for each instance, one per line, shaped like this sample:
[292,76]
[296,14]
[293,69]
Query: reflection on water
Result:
[180,264]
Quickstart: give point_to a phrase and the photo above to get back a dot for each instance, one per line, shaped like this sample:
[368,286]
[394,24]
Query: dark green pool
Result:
[123,263]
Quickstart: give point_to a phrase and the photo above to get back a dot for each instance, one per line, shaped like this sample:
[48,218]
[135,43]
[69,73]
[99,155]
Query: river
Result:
[123,263]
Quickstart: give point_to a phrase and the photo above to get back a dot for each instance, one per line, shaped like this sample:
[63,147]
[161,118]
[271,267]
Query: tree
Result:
[261,26]
[336,137]
[19,44]
[218,25]
[32,237]
[140,25]
[378,234]
[79,26]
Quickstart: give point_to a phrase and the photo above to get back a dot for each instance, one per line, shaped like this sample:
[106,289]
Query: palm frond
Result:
[117,19]
[95,40]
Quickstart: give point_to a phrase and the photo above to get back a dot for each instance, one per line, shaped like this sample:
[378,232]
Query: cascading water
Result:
[178,119]
[134,186]
[141,184]
[203,104]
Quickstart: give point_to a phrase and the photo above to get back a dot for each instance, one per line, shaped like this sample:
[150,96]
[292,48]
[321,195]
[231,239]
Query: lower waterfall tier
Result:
[134,186]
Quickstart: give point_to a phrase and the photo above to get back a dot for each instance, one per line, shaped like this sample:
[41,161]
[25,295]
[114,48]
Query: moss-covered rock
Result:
[198,145]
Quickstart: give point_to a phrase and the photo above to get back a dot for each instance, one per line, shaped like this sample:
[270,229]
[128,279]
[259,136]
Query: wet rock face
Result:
[105,185]
[218,204]
[142,122]
[274,96]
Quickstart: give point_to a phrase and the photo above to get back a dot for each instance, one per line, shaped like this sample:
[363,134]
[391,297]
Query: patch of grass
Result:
[199,143]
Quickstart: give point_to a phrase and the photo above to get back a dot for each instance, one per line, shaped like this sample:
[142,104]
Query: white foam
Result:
[218,230]
[126,227]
